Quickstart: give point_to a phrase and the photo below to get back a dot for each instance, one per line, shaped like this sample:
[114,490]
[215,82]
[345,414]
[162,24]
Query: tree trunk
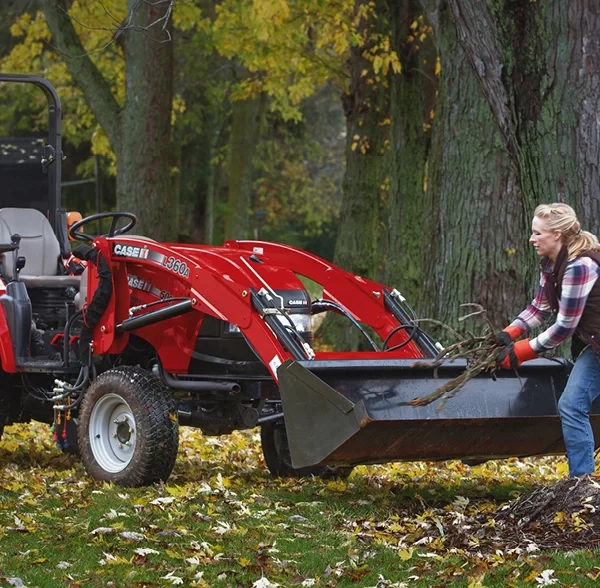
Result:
[538,64]
[411,103]
[365,183]
[143,176]
[474,237]
[140,132]
[243,140]
[366,107]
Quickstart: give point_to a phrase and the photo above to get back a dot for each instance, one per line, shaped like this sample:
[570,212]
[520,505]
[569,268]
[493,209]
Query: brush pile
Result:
[479,351]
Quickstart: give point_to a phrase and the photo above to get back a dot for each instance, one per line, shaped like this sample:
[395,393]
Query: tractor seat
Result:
[39,246]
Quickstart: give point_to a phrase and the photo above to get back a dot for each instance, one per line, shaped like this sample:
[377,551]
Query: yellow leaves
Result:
[286,49]
[363,144]
[381,55]
[337,485]
[17,29]
[188,16]
[405,554]
[561,519]
[178,108]
[113,560]
[438,66]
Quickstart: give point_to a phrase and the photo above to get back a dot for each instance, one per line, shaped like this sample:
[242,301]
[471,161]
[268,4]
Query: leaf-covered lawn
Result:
[221,520]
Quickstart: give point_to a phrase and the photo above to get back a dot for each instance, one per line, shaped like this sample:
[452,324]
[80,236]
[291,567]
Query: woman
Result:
[569,288]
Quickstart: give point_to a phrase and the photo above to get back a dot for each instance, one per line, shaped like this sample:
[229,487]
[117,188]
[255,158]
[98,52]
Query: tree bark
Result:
[140,131]
[365,183]
[243,140]
[366,106]
[544,86]
[144,183]
[474,238]
[411,102]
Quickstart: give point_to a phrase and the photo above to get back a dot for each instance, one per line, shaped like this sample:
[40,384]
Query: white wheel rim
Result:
[112,433]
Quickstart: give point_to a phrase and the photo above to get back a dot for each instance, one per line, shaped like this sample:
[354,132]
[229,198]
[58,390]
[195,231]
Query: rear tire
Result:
[276,451]
[128,431]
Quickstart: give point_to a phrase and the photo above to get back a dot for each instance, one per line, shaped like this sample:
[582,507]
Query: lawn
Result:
[221,520]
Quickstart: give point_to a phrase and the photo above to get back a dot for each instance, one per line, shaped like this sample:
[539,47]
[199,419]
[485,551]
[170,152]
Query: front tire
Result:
[128,431]
[276,451]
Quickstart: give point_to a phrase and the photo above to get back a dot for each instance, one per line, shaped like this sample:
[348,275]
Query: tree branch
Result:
[85,74]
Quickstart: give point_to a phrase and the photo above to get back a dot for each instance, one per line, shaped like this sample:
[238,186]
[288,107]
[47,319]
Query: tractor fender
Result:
[7,354]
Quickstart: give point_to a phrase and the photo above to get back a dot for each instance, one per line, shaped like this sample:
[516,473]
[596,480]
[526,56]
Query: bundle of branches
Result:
[479,351]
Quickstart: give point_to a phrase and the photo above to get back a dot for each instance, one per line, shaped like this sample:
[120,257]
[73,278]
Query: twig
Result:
[480,353]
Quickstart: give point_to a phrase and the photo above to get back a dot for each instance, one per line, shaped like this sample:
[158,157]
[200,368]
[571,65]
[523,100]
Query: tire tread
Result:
[156,448]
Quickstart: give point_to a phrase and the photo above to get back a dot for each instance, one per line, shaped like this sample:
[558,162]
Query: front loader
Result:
[120,346]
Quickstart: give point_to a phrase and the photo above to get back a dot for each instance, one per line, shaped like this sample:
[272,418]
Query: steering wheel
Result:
[112,232]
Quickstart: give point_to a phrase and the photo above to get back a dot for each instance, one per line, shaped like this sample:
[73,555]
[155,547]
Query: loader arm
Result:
[214,284]
[364,299]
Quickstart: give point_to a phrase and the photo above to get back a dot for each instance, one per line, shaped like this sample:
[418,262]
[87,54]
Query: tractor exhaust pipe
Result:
[197,385]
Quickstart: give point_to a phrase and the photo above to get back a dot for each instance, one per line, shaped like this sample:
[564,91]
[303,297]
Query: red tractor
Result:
[141,337]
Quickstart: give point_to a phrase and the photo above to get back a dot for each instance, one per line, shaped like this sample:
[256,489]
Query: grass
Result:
[222,521]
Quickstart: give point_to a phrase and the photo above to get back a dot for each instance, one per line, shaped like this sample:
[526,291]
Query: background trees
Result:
[408,141]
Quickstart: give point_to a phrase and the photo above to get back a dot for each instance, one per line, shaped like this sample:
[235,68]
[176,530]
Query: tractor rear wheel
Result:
[128,431]
[276,451]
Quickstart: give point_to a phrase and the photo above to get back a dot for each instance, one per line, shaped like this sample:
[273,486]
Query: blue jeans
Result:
[574,407]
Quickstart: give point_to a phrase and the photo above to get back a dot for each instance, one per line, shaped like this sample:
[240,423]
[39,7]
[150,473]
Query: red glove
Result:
[507,335]
[515,354]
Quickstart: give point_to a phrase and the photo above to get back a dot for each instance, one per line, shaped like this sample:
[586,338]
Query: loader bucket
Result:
[357,412]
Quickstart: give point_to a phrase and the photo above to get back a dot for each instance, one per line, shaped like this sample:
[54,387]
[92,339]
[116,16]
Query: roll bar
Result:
[51,153]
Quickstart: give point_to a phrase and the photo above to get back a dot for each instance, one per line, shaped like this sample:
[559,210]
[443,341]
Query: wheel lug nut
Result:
[114,435]
[120,446]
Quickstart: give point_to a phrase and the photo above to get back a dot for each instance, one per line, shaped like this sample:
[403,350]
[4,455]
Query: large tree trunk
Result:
[475,235]
[143,181]
[243,140]
[365,191]
[538,64]
[411,102]
[366,107]
[140,132]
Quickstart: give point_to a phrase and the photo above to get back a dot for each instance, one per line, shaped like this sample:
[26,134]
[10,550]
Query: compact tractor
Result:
[120,349]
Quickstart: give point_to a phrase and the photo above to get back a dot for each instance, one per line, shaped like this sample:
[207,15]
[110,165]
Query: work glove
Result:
[507,336]
[515,354]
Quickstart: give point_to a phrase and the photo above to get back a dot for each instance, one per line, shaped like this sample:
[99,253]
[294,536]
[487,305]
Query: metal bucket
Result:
[358,412]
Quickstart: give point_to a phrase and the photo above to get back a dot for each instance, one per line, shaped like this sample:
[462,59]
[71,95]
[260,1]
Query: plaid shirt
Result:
[579,278]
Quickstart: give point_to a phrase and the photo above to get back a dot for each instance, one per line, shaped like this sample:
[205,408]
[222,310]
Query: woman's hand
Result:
[515,354]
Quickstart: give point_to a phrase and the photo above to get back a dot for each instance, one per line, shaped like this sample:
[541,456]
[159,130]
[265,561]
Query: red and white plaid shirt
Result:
[579,278]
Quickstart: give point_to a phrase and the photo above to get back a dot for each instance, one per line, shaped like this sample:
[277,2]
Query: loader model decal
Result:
[137,283]
[177,266]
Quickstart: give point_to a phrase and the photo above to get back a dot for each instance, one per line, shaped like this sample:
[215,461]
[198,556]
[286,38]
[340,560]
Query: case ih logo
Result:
[131,251]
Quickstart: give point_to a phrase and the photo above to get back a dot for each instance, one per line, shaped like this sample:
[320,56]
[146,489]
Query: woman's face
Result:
[546,243]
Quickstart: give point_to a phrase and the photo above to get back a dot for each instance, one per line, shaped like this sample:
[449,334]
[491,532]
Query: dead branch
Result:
[479,351]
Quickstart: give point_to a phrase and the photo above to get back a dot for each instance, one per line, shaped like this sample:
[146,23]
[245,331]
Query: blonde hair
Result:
[561,217]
